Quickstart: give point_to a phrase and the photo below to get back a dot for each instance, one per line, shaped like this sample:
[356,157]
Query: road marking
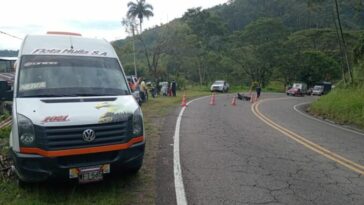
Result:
[178,179]
[322,121]
[308,144]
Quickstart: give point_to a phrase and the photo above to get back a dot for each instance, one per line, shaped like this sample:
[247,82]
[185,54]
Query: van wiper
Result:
[93,95]
[121,92]
[44,96]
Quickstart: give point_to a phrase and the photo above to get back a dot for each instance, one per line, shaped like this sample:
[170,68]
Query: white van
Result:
[73,113]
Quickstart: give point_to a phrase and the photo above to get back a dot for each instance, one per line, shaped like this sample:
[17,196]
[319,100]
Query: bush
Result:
[342,105]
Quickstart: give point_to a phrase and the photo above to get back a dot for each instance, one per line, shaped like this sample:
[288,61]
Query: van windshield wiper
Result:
[43,96]
[96,94]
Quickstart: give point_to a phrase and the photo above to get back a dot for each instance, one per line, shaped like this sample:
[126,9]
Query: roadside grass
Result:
[124,189]
[345,106]
[236,89]
[4,138]
[275,86]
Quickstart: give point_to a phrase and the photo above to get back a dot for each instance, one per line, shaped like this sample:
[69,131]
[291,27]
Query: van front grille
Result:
[71,137]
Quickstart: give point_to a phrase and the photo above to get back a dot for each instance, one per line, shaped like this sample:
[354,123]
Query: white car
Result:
[220,86]
[318,90]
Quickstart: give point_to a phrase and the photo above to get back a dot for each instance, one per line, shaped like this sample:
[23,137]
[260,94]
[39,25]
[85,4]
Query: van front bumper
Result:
[36,168]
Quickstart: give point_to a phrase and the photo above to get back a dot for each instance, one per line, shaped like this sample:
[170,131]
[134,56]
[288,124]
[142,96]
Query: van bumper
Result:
[36,168]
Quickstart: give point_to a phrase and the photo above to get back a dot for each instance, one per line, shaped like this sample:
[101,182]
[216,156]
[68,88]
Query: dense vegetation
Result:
[246,41]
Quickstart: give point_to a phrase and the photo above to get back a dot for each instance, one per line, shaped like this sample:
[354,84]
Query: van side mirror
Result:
[6,94]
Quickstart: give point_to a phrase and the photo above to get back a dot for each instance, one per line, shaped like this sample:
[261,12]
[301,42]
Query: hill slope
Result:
[248,40]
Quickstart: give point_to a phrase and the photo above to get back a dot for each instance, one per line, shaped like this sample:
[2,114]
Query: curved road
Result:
[230,156]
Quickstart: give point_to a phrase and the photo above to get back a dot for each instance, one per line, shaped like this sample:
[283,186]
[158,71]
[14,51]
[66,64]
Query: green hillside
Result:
[249,40]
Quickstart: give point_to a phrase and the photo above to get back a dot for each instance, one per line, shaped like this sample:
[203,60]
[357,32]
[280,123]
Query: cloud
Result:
[99,19]
[101,25]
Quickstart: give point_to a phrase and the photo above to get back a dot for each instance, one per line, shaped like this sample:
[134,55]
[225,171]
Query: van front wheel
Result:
[134,169]
[22,184]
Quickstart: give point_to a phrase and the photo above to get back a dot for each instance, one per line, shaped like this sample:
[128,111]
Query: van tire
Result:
[132,170]
[22,184]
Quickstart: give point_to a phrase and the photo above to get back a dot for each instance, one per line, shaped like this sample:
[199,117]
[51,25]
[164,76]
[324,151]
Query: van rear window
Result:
[58,76]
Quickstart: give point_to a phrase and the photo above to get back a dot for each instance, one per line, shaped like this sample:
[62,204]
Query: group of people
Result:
[140,86]
[169,89]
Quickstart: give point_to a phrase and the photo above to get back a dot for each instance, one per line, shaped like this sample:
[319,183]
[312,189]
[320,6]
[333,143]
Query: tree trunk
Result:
[200,71]
[141,22]
[341,49]
[135,69]
[344,42]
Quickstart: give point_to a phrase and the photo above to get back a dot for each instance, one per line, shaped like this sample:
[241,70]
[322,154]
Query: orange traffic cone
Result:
[213,99]
[184,101]
[233,103]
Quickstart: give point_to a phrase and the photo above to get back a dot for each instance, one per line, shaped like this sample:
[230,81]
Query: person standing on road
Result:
[174,87]
[258,89]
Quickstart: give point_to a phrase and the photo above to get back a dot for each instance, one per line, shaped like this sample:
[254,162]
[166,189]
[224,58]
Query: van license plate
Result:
[90,176]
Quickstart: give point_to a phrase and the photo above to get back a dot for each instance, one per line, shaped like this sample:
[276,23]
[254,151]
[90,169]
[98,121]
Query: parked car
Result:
[318,90]
[220,86]
[298,89]
[327,86]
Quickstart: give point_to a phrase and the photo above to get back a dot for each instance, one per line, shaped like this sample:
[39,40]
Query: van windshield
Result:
[62,76]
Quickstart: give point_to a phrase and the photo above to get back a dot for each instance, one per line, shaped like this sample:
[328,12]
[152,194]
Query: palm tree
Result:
[140,9]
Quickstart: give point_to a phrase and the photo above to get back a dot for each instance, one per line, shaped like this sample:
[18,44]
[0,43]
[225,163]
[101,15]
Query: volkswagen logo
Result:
[88,135]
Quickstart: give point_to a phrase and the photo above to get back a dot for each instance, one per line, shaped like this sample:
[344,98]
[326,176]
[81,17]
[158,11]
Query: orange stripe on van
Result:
[80,151]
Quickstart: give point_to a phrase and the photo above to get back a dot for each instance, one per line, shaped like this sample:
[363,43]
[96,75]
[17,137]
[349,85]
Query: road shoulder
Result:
[164,172]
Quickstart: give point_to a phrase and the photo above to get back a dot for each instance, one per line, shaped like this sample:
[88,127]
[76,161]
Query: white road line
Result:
[322,121]
[178,179]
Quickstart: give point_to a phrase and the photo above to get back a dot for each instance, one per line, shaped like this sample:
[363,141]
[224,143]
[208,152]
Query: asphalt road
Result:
[230,156]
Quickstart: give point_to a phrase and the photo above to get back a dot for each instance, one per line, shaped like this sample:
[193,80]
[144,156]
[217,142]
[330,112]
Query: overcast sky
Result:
[91,18]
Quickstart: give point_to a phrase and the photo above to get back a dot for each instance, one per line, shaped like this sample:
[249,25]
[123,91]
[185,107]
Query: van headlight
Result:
[26,130]
[138,123]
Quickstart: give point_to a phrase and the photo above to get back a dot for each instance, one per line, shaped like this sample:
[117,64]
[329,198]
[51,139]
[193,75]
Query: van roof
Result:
[66,45]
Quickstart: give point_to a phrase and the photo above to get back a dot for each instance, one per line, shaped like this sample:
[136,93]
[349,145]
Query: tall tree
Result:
[340,35]
[343,41]
[130,28]
[139,10]
[255,48]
